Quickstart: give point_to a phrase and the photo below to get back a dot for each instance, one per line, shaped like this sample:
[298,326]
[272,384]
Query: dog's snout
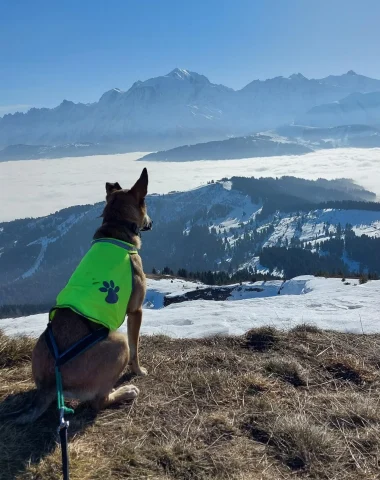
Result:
[148,224]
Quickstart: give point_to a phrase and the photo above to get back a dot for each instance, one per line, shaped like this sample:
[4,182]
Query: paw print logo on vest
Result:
[111,290]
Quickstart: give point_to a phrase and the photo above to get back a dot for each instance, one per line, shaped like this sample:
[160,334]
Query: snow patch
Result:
[325,303]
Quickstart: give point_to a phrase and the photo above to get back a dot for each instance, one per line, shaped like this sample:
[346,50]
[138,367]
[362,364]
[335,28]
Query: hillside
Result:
[285,140]
[240,147]
[222,226]
[268,405]
[178,108]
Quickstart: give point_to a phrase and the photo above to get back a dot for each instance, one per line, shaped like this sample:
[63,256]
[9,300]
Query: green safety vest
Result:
[101,285]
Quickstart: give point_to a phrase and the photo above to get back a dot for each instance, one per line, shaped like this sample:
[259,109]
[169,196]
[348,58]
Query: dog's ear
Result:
[112,187]
[140,188]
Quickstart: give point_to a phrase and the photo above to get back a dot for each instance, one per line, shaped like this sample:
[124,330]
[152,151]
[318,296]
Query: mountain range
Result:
[185,107]
[224,226]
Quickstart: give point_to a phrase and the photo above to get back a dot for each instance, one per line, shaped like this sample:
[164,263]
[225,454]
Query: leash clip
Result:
[62,422]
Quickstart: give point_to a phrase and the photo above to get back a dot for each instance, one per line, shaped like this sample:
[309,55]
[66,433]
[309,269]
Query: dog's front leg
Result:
[134,324]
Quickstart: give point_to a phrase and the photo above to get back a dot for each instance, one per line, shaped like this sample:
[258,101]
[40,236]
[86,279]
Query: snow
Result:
[325,303]
[156,290]
[63,228]
[362,221]
[44,242]
[33,188]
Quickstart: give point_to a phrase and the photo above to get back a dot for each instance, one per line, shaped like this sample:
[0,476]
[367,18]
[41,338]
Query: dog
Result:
[91,376]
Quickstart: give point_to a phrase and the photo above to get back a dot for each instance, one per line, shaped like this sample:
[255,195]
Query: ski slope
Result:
[33,188]
[325,303]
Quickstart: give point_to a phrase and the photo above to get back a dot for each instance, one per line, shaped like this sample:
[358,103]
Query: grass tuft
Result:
[288,370]
[304,328]
[262,339]
[348,368]
[301,444]
[14,351]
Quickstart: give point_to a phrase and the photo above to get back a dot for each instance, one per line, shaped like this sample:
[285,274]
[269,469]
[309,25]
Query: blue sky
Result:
[76,50]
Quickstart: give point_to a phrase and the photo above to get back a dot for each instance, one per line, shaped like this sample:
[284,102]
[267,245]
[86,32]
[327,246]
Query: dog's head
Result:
[123,205]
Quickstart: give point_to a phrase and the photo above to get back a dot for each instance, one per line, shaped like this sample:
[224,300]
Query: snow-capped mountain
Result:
[223,226]
[357,108]
[177,108]
[181,105]
[353,82]
[279,100]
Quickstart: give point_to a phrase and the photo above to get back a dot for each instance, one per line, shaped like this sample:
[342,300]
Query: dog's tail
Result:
[29,413]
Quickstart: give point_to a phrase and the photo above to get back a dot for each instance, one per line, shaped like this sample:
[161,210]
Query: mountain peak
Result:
[65,104]
[182,74]
[351,72]
[297,76]
[111,95]
[179,73]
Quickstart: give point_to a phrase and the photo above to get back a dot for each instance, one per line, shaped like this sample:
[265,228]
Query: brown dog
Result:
[92,375]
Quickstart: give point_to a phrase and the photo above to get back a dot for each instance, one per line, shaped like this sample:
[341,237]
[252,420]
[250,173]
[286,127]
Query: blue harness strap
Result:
[79,347]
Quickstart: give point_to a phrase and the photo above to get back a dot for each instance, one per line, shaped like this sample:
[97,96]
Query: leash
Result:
[60,359]
[63,424]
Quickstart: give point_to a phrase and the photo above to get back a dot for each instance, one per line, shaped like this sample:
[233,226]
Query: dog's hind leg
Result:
[119,395]
[98,370]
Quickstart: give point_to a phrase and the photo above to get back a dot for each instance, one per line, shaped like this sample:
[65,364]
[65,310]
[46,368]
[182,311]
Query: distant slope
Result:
[222,226]
[356,108]
[30,152]
[358,136]
[285,140]
[233,148]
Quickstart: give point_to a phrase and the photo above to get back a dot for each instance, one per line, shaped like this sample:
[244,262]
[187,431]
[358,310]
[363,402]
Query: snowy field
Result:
[325,303]
[32,188]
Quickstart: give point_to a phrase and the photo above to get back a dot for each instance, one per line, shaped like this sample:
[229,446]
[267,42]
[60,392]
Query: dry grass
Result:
[288,370]
[14,351]
[303,404]
[261,339]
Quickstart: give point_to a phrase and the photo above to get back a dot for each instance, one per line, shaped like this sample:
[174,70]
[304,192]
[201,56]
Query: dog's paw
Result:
[134,391]
[141,371]
[125,393]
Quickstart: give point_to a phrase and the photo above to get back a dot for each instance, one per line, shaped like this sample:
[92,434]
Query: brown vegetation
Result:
[268,405]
